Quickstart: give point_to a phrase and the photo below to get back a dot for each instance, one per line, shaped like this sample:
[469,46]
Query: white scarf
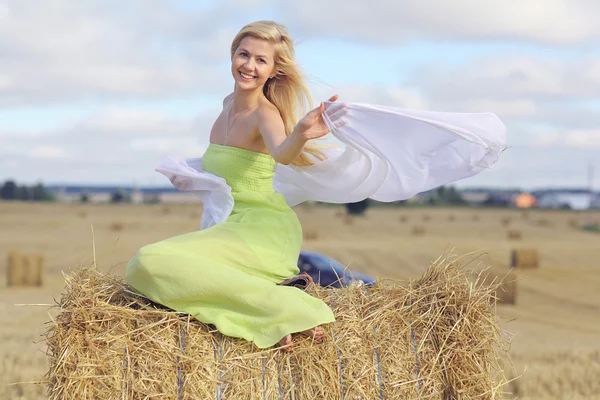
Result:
[388,154]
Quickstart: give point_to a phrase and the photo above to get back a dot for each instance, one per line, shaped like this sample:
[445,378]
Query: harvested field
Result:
[555,318]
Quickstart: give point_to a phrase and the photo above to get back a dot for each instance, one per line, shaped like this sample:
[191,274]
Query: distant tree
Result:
[84,197]
[9,191]
[120,196]
[358,208]
[39,193]
[24,193]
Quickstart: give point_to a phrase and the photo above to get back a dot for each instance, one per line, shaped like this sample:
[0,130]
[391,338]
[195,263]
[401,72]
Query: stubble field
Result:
[555,321]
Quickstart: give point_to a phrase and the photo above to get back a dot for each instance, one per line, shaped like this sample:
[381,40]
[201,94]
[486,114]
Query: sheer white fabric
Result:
[387,154]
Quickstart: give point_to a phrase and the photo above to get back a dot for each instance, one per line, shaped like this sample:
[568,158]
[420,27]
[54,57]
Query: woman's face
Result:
[253,63]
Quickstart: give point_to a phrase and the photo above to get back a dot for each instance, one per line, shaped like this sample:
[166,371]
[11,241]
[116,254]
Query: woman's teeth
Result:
[246,76]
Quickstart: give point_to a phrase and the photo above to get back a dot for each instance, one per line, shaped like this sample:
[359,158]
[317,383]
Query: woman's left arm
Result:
[286,149]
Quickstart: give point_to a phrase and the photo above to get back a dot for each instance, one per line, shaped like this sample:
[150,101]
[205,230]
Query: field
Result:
[556,318]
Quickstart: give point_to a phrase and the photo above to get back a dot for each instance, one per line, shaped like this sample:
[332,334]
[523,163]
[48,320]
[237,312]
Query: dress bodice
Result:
[242,169]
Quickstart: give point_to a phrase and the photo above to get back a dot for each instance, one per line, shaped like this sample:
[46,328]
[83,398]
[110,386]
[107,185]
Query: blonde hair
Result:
[287,90]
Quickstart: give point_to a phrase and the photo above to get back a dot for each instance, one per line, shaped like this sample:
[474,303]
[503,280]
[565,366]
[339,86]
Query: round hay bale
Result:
[514,234]
[504,287]
[418,230]
[116,226]
[33,270]
[403,218]
[506,293]
[310,234]
[15,269]
[505,221]
[524,258]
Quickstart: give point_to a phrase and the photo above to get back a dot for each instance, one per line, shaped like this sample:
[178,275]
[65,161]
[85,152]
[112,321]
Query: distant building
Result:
[568,200]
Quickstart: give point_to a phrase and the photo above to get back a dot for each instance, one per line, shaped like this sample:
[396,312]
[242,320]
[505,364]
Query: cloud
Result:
[68,51]
[108,145]
[512,77]
[577,139]
[553,22]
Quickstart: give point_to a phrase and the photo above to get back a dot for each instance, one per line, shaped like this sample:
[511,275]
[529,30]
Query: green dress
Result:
[228,275]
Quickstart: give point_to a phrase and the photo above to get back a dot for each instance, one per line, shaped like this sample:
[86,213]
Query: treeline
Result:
[11,191]
[441,196]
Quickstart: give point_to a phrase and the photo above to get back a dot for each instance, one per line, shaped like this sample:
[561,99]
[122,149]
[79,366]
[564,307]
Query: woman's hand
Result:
[312,126]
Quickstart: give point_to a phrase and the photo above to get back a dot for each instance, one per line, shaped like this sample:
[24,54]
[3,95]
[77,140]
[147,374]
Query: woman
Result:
[228,274]
[261,161]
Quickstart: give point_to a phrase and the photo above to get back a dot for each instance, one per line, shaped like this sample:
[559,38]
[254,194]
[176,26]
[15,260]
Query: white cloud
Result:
[556,22]
[512,77]
[578,139]
[49,152]
[108,145]
[67,50]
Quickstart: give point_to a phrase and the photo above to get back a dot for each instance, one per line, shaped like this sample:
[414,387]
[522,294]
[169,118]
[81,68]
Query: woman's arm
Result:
[285,149]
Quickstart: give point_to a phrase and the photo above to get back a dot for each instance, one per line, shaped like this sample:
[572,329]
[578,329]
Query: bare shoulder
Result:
[227,100]
[268,114]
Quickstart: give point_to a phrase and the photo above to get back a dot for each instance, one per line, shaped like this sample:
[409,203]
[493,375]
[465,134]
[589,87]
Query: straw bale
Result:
[418,230]
[33,270]
[25,269]
[436,338]
[310,234]
[15,269]
[403,218]
[514,234]
[525,258]
[116,226]
[506,286]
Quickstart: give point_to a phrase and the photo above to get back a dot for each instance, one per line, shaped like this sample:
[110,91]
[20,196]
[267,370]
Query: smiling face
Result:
[253,63]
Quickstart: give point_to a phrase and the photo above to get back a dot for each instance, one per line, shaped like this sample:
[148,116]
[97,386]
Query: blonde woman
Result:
[228,275]
[261,161]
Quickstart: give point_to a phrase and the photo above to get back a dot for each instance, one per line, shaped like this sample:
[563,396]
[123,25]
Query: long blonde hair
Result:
[287,90]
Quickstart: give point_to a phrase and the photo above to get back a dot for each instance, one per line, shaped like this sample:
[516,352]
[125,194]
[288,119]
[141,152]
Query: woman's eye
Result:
[262,60]
[243,54]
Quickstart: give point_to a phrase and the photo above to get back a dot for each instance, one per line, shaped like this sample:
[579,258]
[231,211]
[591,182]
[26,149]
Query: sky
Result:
[99,91]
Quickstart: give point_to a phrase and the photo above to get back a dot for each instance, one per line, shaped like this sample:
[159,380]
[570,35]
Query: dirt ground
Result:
[556,318]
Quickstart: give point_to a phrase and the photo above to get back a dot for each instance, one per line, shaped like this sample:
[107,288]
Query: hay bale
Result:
[524,258]
[505,287]
[418,230]
[25,270]
[505,221]
[116,226]
[33,270]
[403,218]
[426,217]
[514,234]
[15,269]
[451,217]
[437,337]
[310,234]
